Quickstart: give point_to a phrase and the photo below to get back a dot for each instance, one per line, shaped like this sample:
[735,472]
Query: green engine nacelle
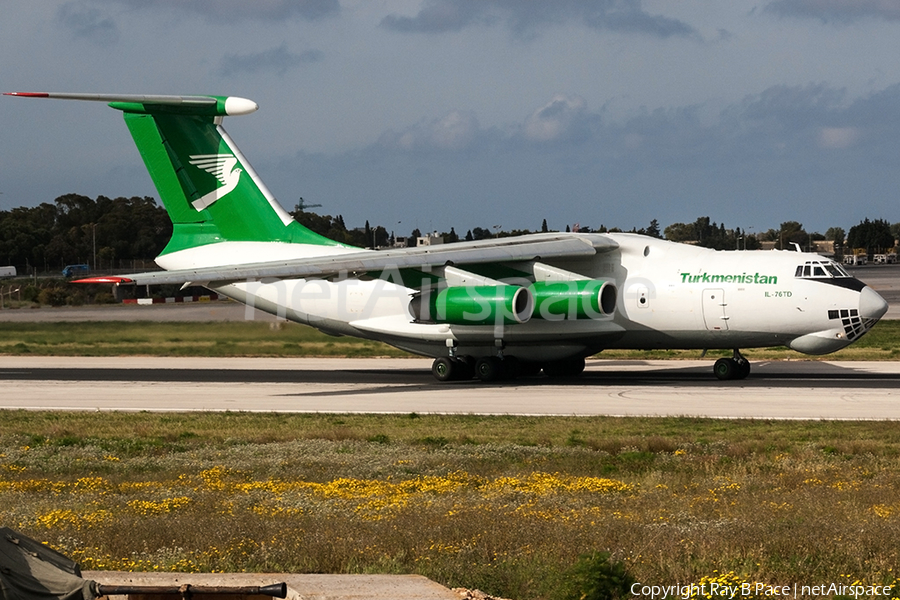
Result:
[579,299]
[474,305]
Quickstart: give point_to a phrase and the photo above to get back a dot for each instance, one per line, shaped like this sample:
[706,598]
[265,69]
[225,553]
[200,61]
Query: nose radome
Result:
[871,304]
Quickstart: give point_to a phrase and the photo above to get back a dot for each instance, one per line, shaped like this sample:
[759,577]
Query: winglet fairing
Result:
[490,309]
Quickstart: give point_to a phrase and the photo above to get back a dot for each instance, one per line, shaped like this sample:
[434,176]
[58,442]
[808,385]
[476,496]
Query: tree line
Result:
[74,229]
[114,233]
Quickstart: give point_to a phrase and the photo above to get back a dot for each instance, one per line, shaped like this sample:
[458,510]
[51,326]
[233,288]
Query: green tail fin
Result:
[208,188]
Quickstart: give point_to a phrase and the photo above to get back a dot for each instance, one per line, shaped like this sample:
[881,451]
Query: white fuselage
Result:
[669,296]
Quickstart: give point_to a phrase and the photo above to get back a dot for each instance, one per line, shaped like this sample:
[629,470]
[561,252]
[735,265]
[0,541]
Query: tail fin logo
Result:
[224,168]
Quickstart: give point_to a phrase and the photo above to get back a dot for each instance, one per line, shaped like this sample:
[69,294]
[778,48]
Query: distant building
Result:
[823,247]
[432,239]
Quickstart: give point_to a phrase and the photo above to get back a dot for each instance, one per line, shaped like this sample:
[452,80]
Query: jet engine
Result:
[474,305]
[578,299]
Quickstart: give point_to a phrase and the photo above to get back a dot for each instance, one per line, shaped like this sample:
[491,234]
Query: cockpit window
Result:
[820,269]
[836,270]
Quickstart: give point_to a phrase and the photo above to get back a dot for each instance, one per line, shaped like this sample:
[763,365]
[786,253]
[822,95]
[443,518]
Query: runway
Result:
[774,390]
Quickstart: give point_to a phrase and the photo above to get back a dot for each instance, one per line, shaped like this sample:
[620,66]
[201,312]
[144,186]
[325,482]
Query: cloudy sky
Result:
[476,113]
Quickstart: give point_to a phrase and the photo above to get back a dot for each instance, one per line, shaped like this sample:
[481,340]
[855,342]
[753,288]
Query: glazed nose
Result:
[871,304]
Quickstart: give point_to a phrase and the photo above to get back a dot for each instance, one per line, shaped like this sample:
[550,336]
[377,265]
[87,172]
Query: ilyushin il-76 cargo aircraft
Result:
[487,309]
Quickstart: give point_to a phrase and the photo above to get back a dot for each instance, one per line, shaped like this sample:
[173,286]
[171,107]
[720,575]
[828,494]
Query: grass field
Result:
[503,504]
[254,338]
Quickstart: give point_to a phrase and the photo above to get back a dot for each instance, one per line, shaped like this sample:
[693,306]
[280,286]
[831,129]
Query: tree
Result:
[544,228]
[836,235]
[381,237]
[50,236]
[875,236]
[680,232]
[792,232]
[653,230]
[479,233]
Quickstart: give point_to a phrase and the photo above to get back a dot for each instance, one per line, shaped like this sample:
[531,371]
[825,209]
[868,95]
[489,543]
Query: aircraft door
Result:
[715,310]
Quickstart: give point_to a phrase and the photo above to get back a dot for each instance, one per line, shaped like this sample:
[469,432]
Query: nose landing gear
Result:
[736,367]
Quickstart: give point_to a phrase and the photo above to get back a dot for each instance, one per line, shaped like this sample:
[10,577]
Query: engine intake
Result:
[474,305]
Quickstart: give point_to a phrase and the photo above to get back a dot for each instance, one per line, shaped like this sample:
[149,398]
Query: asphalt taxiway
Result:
[774,390]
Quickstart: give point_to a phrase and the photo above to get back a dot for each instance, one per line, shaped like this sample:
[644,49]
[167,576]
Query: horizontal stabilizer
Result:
[224,106]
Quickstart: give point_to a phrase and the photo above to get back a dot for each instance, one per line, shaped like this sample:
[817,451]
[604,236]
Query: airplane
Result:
[489,309]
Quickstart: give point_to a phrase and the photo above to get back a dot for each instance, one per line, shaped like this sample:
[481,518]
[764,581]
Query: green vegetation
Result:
[142,338]
[120,233]
[107,233]
[557,507]
[256,338]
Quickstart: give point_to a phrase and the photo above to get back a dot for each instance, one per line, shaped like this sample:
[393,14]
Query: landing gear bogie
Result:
[494,368]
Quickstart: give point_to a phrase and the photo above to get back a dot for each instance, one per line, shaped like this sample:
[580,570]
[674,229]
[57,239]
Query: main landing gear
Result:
[495,368]
[736,367]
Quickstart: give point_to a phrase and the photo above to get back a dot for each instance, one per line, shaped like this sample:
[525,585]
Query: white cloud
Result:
[455,131]
[558,119]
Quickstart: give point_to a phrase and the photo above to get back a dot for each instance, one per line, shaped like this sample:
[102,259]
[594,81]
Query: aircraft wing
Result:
[503,250]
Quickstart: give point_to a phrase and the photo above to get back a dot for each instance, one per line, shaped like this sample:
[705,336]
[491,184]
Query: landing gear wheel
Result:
[444,369]
[726,369]
[452,369]
[743,368]
[732,368]
[488,369]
